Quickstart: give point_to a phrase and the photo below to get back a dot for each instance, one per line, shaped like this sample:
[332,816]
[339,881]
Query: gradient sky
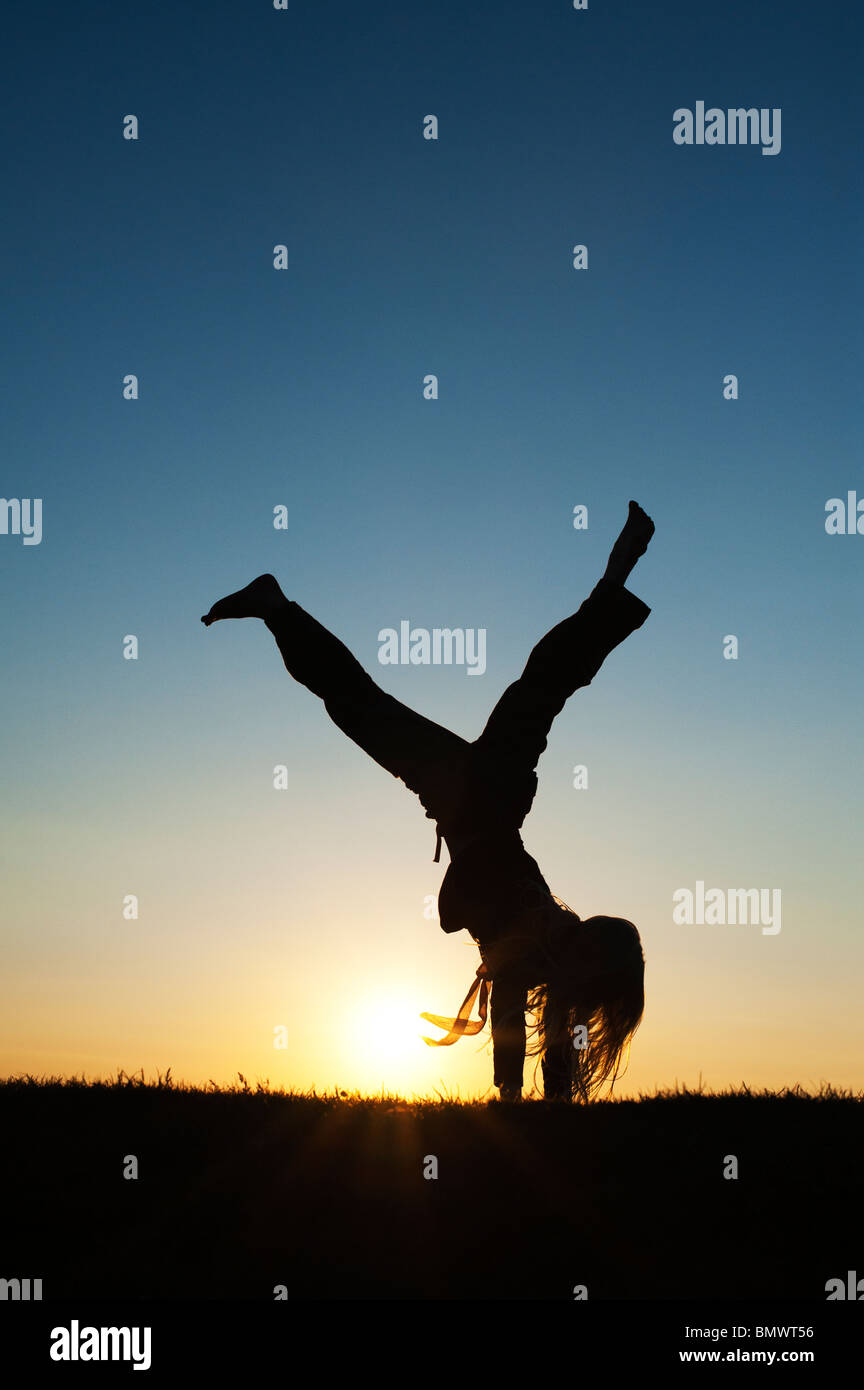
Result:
[305,907]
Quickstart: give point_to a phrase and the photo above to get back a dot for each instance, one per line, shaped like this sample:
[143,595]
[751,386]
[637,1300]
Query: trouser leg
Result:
[417,750]
[567,658]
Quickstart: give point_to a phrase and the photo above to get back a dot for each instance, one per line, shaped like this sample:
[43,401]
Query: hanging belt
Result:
[459,1026]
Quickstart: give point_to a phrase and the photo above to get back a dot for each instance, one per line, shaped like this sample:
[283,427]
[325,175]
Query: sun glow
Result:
[386,1033]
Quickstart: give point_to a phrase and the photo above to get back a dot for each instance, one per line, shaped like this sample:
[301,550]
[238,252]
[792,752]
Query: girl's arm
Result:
[509,1002]
[556,1066]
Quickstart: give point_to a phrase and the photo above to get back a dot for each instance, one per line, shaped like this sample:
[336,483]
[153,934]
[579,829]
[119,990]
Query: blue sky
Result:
[303,387]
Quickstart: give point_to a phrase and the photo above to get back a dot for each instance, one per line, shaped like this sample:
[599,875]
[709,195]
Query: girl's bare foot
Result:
[632,542]
[259,599]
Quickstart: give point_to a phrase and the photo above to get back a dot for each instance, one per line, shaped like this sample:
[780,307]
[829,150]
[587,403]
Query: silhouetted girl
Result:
[582,981]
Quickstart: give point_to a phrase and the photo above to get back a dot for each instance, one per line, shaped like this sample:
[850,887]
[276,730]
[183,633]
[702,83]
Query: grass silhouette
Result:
[244,1188]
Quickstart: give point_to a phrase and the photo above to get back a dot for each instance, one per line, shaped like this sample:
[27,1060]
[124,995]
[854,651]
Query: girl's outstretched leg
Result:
[428,758]
[630,545]
[260,599]
[568,657]
[311,654]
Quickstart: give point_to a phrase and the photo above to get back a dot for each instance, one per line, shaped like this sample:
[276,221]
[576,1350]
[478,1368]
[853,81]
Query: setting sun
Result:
[384,1034]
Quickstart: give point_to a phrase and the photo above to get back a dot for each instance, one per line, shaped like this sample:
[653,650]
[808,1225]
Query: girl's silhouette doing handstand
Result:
[581,981]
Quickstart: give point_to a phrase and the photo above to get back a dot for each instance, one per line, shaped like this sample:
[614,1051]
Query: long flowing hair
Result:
[584,1019]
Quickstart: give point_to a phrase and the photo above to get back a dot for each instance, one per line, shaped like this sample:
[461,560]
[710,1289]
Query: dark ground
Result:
[241,1190]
